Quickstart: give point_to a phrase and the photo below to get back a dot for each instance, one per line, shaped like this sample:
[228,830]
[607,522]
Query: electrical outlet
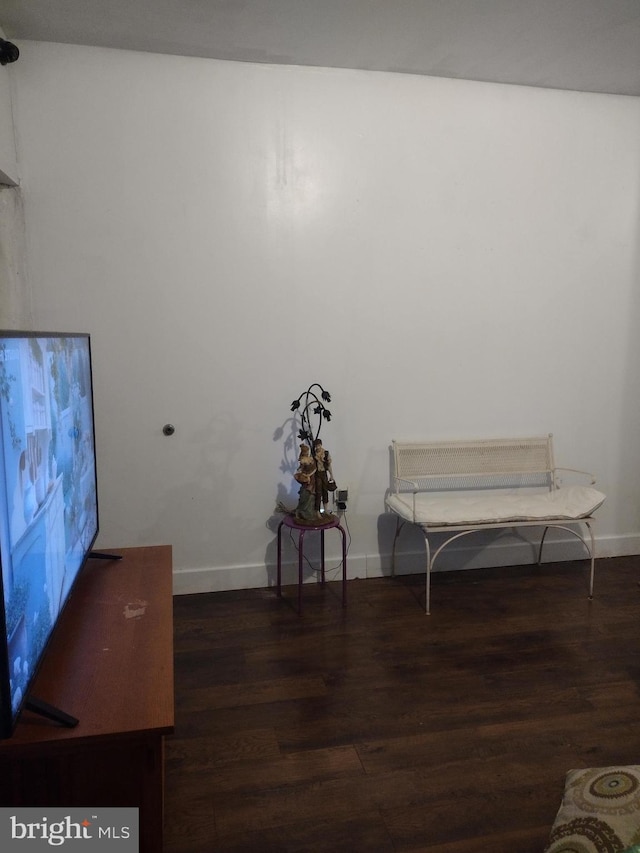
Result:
[342,496]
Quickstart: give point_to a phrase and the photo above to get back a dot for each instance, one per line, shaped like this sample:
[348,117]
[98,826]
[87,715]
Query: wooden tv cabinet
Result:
[110,664]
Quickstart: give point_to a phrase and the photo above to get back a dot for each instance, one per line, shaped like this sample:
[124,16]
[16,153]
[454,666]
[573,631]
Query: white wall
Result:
[14,296]
[448,258]
[8,161]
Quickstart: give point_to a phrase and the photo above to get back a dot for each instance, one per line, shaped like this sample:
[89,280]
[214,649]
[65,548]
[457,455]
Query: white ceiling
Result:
[585,45]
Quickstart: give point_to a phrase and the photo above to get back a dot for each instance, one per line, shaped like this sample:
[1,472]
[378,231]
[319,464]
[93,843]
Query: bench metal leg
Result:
[593,559]
[591,550]
[427,601]
[431,558]
[399,526]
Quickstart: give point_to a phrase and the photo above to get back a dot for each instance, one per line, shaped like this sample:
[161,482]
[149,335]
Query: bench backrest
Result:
[510,458]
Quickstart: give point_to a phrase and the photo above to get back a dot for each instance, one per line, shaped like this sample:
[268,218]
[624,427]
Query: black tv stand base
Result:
[44,709]
[100,555]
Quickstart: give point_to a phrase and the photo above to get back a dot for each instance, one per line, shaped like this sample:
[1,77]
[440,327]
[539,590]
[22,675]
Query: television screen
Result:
[48,496]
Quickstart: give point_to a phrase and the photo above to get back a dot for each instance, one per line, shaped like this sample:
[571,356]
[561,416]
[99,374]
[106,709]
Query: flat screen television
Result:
[48,501]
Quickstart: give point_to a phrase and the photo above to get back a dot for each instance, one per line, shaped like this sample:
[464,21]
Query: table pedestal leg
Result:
[279,568]
[289,522]
[300,574]
[344,566]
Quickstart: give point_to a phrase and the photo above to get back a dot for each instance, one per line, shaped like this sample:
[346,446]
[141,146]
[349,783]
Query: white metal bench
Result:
[460,487]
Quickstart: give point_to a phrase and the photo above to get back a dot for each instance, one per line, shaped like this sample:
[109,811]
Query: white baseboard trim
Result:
[455,558]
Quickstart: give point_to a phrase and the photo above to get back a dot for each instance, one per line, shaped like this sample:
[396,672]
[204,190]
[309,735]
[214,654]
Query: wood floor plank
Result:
[254,692]
[378,729]
[251,774]
[209,751]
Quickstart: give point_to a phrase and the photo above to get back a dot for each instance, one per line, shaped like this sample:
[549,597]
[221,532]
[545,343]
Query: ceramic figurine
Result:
[306,476]
[324,477]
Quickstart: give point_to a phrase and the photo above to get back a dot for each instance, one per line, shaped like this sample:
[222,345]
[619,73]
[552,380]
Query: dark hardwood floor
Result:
[378,728]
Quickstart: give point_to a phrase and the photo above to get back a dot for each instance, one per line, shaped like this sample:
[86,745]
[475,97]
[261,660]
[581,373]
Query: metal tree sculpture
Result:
[310,403]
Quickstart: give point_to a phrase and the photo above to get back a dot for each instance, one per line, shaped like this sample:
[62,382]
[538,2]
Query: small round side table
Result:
[332,524]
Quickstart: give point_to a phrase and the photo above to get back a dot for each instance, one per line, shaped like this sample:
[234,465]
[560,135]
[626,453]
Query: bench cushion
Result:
[438,509]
